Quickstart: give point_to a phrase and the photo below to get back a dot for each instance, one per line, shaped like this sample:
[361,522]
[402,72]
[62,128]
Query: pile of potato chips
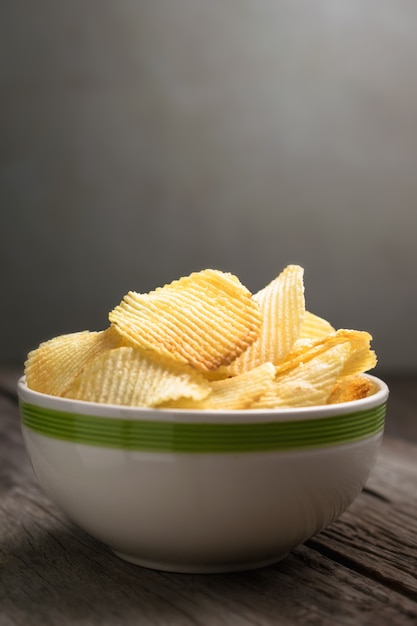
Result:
[205,342]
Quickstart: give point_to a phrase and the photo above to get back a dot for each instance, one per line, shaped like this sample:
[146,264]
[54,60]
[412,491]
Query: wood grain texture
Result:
[359,571]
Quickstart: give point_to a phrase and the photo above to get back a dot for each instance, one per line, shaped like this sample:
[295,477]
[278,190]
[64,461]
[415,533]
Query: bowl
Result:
[201,491]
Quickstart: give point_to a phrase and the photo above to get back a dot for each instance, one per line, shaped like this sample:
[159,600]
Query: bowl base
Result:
[201,568]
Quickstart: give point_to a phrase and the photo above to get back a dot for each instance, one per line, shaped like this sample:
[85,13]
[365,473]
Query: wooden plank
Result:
[56,574]
[361,570]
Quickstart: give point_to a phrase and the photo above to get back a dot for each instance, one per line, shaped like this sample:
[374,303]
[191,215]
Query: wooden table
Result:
[360,570]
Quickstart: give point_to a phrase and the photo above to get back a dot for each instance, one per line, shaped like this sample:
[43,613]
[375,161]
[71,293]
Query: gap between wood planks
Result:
[360,568]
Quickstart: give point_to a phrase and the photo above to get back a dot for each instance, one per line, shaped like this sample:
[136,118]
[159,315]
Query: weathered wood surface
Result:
[362,570]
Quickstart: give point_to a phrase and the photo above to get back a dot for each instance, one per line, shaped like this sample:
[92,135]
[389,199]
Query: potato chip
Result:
[314,327]
[236,393]
[283,308]
[125,376]
[309,383]
[205,319]
[203,342]
[52,366]
[361,357]
[351,388]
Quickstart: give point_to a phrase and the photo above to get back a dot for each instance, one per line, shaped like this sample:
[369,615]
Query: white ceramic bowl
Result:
[199,491]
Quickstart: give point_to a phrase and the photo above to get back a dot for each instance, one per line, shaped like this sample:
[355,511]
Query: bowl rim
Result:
[68,405]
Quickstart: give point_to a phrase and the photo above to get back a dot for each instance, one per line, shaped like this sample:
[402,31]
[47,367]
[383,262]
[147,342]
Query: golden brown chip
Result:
[52,366]
[283,308]
[125,376]
[309,383]
[235,393]
[351,388]
[205,319]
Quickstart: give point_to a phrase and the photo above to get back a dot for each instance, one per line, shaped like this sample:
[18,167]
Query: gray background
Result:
[140,141]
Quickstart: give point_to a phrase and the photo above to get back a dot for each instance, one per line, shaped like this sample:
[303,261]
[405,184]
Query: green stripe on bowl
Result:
[164,436]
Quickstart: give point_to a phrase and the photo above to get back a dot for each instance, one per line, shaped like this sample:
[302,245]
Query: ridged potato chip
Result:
[309,383]
[314,327]
[361,357]
[204,342]
[283,308]
[125,376]
[236,393]
[205,319]
[351,388]
[52,366]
